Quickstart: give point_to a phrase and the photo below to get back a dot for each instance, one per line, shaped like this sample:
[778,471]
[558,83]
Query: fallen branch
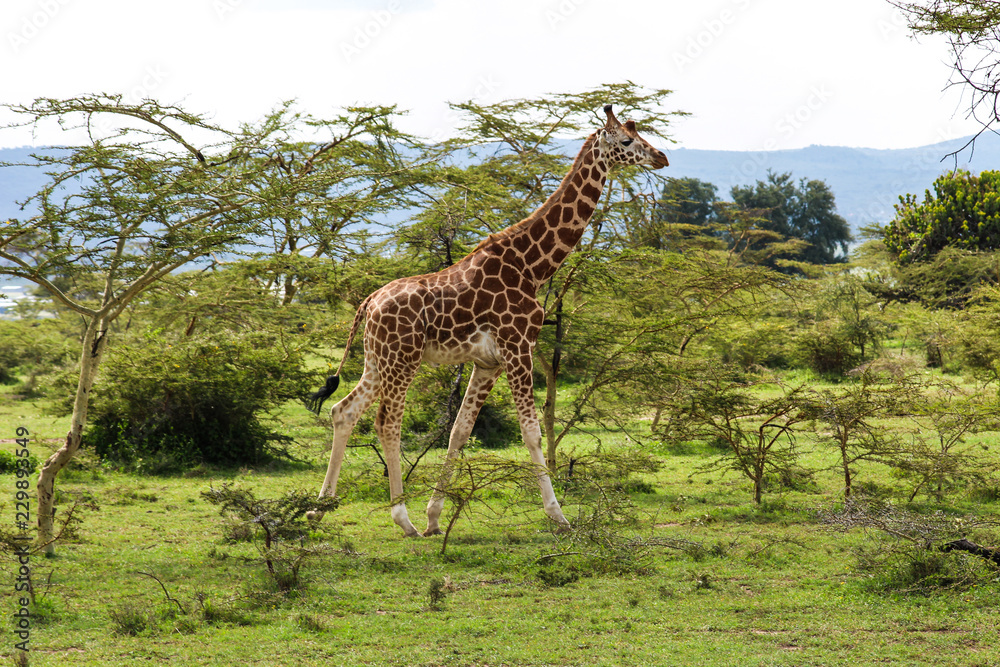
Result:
[973,548]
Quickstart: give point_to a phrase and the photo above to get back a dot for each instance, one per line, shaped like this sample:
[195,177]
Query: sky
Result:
[754,74]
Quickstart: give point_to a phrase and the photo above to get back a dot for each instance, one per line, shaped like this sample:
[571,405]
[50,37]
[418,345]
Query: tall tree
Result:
[685,209]
[137,199]
[805,211]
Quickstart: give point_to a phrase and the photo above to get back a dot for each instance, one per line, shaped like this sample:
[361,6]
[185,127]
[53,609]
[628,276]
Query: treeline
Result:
[203,276]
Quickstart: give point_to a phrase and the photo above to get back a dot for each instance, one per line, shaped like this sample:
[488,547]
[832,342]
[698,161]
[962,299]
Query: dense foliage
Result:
[963,214]
[170,403]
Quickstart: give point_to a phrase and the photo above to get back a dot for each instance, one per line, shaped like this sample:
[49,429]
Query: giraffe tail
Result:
[315,401]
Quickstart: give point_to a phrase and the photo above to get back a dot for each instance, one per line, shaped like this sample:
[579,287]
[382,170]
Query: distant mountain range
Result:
[866,182]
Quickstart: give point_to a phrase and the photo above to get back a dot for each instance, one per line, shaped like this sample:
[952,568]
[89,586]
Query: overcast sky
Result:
[754,74]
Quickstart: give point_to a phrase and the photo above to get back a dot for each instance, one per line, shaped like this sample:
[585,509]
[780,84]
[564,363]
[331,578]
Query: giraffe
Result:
[481,310]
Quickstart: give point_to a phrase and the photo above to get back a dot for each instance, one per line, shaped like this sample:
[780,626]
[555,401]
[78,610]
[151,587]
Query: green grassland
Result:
[680,569]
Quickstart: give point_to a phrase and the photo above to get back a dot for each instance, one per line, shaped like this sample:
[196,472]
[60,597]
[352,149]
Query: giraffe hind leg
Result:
[388,426]
[344,415]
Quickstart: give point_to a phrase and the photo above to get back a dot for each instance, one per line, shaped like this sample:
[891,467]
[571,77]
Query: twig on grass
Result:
[165,592]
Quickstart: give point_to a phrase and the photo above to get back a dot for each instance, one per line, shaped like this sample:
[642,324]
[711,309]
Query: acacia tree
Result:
[757,429]
[852,415]
[133,202]
[973,31]
[805,211]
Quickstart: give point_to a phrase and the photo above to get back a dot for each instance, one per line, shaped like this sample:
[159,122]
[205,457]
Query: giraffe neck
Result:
[545,238]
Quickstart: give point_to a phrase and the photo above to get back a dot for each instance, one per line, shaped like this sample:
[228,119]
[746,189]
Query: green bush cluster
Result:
[32,347]
[168,404]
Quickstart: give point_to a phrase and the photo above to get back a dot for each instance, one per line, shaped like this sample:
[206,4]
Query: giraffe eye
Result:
[627,142]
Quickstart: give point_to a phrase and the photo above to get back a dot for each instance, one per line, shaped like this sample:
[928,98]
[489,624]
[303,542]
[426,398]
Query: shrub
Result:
[167,405]
[826,350]
[32,347]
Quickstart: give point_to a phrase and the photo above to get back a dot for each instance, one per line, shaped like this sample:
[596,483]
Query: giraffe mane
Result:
[540,212]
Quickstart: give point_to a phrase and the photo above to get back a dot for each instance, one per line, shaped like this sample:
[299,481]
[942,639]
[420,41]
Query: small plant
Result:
[309,623]
[277,526]
[468,479]
[130,618]
[437,592]
[556,575]
[911,552]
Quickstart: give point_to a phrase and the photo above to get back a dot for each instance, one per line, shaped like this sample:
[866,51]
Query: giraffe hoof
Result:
[563,528]
[433,531]
[412,533]
[314,517]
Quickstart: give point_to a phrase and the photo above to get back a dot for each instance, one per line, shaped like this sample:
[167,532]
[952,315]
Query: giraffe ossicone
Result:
[481,310]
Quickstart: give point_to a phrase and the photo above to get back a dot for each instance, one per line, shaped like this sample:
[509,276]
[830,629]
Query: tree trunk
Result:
[847,479]
[551,378]
[92,352]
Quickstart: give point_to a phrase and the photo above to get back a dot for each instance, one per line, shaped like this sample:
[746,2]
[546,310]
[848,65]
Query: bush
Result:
[10,463]
[163,406]
[826,350]
[31,347]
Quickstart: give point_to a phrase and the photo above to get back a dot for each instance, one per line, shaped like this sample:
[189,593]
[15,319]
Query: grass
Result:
[765,585]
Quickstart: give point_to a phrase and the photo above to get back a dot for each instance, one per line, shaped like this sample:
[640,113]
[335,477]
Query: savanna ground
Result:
[664,568]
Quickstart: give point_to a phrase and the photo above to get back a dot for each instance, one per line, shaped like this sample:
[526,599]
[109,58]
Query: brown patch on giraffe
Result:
[510,275]
[552,217]
[569,236]
[590,192]
[578,178]
[500,301]
[584,209]
[492,284]
[466,298]
[532,255]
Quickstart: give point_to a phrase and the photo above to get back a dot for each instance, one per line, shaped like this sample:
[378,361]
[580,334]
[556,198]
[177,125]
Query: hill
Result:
[866,182]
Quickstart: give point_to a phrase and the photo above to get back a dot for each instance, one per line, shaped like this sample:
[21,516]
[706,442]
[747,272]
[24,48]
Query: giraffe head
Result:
[623,145]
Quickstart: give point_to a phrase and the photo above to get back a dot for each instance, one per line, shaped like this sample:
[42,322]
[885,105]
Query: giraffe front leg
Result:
[519,378]
[480,385]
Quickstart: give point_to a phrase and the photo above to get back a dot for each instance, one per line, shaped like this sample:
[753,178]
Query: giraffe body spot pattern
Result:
[481,310]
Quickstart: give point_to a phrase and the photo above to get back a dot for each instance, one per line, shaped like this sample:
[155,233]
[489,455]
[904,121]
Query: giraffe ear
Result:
[630,128]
